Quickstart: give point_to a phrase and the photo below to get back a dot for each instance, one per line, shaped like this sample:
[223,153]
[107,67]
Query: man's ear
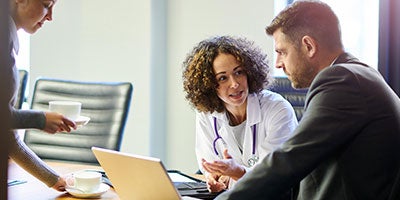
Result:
[309,45]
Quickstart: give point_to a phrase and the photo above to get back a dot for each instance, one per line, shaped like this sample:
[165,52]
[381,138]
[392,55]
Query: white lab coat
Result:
[273,116]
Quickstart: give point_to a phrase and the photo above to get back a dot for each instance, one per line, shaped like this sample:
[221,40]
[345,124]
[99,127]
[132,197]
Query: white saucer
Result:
[82,120]
[77,193]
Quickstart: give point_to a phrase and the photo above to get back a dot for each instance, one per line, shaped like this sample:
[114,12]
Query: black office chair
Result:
[106,103]
[23,80]
[296,97]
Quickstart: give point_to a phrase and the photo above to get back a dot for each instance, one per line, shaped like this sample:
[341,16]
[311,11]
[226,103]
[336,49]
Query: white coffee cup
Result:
[70,109]
[85,181]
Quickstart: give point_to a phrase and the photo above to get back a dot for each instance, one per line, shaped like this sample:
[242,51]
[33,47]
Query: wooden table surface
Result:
[33,189]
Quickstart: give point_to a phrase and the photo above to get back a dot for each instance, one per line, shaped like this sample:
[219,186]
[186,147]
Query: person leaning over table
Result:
[30,15]
[238,122]
[347,144]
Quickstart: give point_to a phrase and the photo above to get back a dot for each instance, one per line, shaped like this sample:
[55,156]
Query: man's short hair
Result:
[308,17]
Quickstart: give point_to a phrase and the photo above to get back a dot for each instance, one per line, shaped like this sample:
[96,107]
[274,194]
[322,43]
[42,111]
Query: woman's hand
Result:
[60,184]
[56,122]
[216,183]
[226,167]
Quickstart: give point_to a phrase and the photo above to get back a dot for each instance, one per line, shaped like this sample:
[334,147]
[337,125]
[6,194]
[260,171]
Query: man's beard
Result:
[303,77]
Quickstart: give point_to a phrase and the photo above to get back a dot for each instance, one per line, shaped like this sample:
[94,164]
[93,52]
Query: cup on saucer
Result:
[70,109]
[85,182]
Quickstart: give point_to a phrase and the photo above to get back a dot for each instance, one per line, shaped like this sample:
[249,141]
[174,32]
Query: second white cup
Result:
[85,181]
[70,109]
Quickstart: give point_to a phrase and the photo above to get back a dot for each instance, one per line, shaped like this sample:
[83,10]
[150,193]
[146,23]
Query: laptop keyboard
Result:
[190,185]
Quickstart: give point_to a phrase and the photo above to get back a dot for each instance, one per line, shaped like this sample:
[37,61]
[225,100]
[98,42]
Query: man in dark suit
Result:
[347,145]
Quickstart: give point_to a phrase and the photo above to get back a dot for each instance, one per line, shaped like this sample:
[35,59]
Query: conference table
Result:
[33,189]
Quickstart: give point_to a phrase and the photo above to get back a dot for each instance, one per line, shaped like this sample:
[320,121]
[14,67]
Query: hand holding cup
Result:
[84,181]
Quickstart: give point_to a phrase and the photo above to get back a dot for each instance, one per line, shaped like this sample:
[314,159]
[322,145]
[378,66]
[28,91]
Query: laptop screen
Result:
[133,177]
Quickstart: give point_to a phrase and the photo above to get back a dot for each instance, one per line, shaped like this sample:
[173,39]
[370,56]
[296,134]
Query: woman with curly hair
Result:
[238,121]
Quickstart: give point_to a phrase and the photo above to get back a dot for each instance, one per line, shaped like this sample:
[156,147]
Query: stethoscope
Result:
[253,159]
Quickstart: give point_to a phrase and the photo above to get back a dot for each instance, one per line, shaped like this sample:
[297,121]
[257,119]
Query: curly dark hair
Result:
[199,80]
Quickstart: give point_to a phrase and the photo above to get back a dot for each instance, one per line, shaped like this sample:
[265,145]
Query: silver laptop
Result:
[138,177]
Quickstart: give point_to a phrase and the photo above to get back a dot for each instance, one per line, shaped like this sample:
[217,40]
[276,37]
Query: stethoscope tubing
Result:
[218,136]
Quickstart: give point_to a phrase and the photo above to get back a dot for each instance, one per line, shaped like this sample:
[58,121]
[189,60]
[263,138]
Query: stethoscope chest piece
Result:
[253,160]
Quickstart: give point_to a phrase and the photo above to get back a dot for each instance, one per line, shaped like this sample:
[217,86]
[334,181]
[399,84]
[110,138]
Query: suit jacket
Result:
[347,145]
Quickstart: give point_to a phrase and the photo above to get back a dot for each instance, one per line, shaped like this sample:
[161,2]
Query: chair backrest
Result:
[296,97]
[23,80]
[106,103]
